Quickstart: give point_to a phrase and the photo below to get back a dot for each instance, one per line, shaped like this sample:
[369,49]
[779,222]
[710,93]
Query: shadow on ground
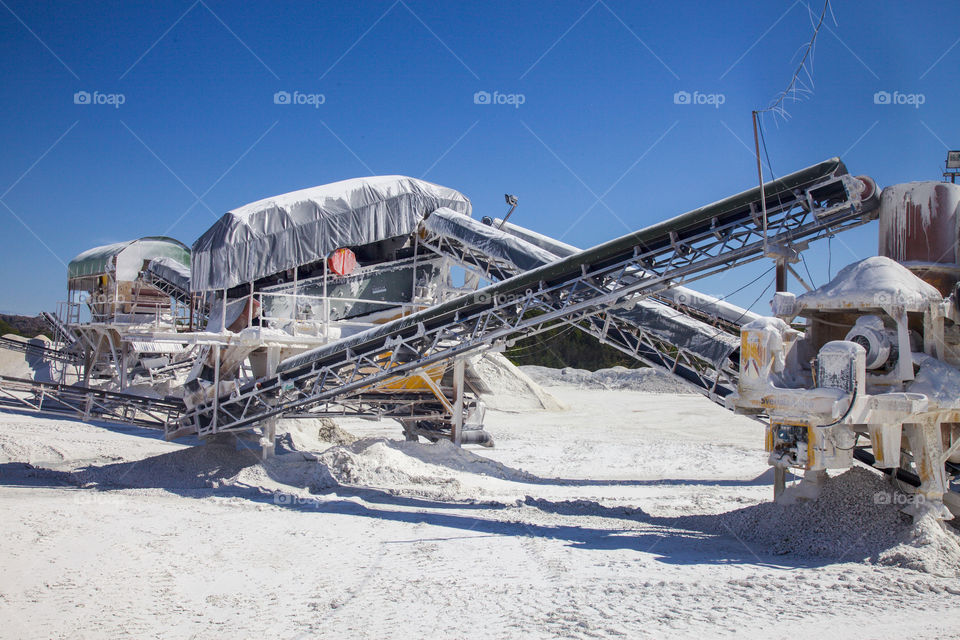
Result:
[213,469]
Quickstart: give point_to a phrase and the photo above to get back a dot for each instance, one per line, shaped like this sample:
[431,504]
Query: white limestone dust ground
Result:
[628,514]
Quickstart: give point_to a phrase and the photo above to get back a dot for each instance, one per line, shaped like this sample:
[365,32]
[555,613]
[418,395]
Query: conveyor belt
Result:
[494,254]
[172,289]
[36,349]
[89,404]
[61,331]
[582,288]
[714,311]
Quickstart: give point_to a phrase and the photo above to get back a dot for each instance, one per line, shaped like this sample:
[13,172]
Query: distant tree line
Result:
[566,346]
[29,327]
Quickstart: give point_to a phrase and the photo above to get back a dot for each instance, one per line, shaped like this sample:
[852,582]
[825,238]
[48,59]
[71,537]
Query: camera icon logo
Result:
[481,97]
[882,299]
[681,97]
[882,497]
[81,97]
[281,97]
[282,498]
[881,97]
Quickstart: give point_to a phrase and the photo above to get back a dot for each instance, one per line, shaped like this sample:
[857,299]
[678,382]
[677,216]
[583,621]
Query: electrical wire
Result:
[756,300]
[767,154]
[830,257]
[747,310]
[807,269]
[513,351]
[796,74]
[846,413]
[856,439]
[773,177]
[732,293]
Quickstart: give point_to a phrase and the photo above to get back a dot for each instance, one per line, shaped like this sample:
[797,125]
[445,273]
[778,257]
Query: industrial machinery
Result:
[324,267]
[875,362]
[597,289]
[109,299]
[340,300]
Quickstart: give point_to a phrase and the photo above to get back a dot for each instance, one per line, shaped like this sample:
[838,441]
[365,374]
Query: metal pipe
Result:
[763,199]
[868,459]
[781,268]
[296,279]
[476,436]
[326,301]
[457,426]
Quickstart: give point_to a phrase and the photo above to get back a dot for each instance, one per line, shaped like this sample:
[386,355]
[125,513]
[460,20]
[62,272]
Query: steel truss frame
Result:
[715,381]
[88,404]
[46,352]
[583,289]
[61,332]
[167,287]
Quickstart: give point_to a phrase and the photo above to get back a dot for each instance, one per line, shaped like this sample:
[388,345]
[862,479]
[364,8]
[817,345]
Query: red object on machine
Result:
[342,262]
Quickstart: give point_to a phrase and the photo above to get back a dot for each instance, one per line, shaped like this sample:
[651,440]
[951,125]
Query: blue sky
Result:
[597,148]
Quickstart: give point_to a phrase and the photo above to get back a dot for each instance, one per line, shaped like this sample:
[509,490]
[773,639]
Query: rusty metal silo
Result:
[920,228]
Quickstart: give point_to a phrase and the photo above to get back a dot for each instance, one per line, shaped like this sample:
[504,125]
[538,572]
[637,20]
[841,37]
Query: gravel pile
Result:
[854,519]
[510,388]
[617,378]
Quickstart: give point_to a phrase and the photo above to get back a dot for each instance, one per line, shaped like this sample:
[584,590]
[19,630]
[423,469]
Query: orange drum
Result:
[342,262]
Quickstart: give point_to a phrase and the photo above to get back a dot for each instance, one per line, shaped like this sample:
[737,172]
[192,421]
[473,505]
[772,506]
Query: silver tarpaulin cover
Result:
[667,323]
[171,270]
[294,229]
[487,239]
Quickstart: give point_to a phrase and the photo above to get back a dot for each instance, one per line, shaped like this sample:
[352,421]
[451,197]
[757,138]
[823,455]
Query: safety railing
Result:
[298,314]
[147,311]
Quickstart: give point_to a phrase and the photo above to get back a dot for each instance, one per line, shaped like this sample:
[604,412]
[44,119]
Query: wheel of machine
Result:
[869,187]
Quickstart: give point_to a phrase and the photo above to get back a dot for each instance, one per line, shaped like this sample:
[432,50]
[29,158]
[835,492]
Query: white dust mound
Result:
[406,466]
[198,467]
[617,378]
[507,388]
[312,454]
[312,434]
[211,466]
[852,520]
[30,365]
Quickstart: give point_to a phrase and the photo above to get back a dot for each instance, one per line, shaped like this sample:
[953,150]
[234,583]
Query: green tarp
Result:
[125,259]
